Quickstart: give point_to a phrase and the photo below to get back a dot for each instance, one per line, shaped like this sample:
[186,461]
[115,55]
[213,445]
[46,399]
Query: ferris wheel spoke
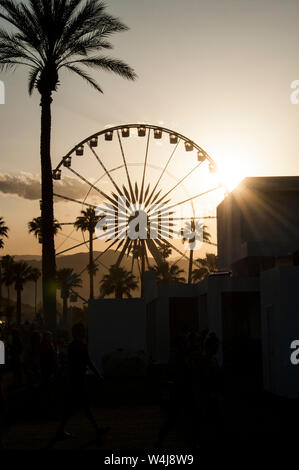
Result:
[92,186]
[105,169]
[146,258]
[173,247]
[126,167]
[163,171]
[122,253]
[186,200]
[139,268]
[73,247]
[78,295]
[154,251]
[196,218]
[74,200]
[101,254]
[144,166]
[66,238]
[179,182]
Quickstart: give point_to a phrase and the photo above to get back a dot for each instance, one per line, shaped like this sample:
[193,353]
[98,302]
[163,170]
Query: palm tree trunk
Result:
[91,295]
[190,267]
[118,293]
[0,286]
[35,296]
[64,311]
[19,306]
[142,270]
[48,250]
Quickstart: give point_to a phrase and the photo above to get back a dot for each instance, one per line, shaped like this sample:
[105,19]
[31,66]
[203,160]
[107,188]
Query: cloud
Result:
[27,186]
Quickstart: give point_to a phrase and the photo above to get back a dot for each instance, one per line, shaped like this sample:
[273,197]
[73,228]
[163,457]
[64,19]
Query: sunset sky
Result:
[218,71]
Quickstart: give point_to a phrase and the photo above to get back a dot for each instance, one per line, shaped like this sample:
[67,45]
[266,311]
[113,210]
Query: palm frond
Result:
[33,80]
[107,63]
[85,76]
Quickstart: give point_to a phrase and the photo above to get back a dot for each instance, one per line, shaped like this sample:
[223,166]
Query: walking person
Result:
[76,392]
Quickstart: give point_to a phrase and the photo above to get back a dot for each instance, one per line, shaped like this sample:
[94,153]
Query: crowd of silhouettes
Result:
[37,359]
[195,385]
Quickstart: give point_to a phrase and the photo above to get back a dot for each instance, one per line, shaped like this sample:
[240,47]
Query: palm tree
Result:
[67,280]
[118,281]
[192,232]
[205,267]
[7,263]
[35,275]
[168,273]
[22,273]
[87,222]
[165,251]
[3,232]
[35,227]
[47,36]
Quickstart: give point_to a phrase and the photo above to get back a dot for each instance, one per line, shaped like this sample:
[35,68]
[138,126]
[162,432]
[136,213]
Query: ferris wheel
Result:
[147,183]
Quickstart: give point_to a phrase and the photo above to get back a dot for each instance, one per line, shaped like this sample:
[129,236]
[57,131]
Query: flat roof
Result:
[270,183]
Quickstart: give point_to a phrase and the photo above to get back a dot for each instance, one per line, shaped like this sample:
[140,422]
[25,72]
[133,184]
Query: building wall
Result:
[280,326]
[115,324]
[259,218]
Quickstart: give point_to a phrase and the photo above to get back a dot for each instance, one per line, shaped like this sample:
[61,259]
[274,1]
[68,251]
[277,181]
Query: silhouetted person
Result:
[2,403]
[48,358]
[76,393]
[16,349]
[207,387]
[179,400]
[32,358]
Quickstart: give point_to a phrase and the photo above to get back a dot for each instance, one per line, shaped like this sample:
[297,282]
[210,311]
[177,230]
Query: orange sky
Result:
[217,71]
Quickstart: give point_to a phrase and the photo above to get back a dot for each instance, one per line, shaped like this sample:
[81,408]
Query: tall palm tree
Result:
[194,231]
[67,280]
[35,227]
[168,273]
[47,36]
[87,222]
[119,282]
[3,234]
[35,275]
[7,263]
[22,273]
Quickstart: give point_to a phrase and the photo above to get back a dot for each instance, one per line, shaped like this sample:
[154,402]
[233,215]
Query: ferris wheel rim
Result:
[136,126]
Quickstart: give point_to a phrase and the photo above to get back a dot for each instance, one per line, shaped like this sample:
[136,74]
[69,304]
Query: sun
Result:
[231,170]
[230,176]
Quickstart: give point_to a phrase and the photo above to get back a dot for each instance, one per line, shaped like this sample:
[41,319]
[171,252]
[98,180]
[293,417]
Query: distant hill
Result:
[78,262]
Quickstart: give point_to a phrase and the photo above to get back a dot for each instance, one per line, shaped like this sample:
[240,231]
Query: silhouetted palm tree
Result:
[49,35]
[22,274]
[67,280]
[168,273]
[194,231]
[87,222]
[165,251]
[205,267]
[119,282]
[35,275]
[3,232]
[7,263]
[35,227]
